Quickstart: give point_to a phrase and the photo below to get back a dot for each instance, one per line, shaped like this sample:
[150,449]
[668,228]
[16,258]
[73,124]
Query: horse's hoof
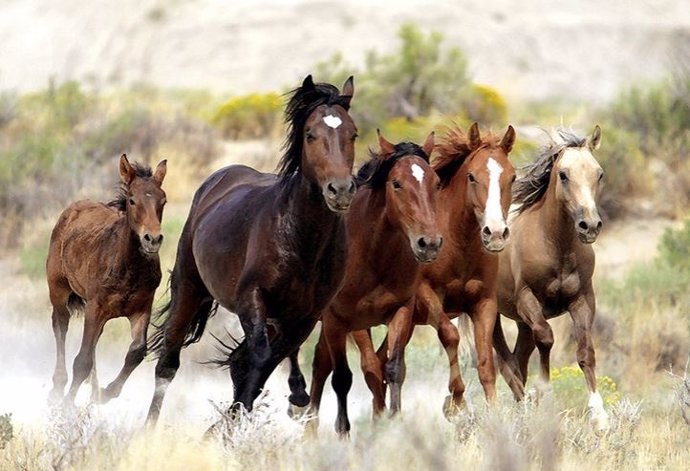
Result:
[599,421]
[55,397]
[296,412]
[299,399]
[342,427]
[451,408]
[311,428]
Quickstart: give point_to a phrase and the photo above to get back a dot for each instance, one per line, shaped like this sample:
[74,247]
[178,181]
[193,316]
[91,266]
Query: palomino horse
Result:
[104,258]
[270,248]
[391,228]
[547,266]
[476,179]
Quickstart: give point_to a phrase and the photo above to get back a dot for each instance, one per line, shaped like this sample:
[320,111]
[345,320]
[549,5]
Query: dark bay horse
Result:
[391,229]
[104,258]
[270,248]
[548,263]
[476,179]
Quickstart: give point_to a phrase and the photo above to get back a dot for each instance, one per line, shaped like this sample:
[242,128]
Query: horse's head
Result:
[328,144]
[144,202]
[578,181]
[411,188]
[490,176]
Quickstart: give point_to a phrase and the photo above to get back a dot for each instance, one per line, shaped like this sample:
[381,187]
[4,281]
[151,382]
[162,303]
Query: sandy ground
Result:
[584,49]
[28,355]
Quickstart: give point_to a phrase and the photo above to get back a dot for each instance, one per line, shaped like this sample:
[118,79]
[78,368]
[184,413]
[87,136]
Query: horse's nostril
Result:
[599,224]
[147,238]
[352,187]
[331,189]
[506,233]
[422,243]
[486,231]
[582,225]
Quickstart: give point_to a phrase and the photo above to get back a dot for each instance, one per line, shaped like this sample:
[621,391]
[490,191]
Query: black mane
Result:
[374,172]
[302,103]
[120,201]
[531,187]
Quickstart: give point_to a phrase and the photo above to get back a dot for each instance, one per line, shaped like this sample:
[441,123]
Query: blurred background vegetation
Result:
[63,143]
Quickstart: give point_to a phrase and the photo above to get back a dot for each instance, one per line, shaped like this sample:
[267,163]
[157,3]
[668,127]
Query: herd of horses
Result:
[406,241]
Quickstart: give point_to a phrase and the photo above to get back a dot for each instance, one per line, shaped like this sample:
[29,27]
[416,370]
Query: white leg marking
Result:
[598,416]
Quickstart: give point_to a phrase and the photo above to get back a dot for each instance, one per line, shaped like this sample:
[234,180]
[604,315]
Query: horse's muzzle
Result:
[339,193]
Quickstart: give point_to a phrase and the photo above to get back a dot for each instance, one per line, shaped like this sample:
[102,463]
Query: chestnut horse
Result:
[547,266]
[104,259]
[270,248]
[391,229]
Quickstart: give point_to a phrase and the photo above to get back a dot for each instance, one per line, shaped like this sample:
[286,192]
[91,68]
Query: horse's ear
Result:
[428,146]
[308,83]
[159,174]
[594,140]
[508,140]
[126,170]
[348,89]
[475,139]
[385,147]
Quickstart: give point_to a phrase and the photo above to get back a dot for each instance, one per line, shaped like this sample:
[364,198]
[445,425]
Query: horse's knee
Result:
[136,355]
[586,358]
[342,380]
[543,336]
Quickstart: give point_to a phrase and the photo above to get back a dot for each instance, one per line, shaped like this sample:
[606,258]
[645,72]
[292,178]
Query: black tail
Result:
[161,317]
[75,305]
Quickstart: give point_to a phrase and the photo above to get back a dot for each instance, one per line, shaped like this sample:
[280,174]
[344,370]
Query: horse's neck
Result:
[126,246]
[309,220]
[555,221]
[377,232]
[462,225]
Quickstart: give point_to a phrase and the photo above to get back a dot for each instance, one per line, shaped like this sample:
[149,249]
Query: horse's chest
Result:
[561,288]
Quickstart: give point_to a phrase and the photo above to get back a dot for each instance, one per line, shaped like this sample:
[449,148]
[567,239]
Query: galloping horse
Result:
[104,258]
[548,263]
[476,178]
[270,248]
[391,228]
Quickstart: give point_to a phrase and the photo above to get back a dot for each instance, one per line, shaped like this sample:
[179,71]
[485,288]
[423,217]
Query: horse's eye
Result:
[512,180]
[131,202]
[310,136]
[562,175]
[354,136]
[471,178]
[601,176]
[396,184]
[163,202]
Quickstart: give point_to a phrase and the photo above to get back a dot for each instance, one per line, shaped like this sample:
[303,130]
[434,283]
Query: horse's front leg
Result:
[336,337]
[252,312]
[484,320]
[582,310]
[372,368]
[298,387]
[138,323]
[399,332]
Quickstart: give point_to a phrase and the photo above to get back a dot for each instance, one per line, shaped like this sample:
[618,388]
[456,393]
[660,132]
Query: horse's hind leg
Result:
[507,362]
[399,332]
[372,368]
[60,325]
[322,366]
[83,363]
[135,355]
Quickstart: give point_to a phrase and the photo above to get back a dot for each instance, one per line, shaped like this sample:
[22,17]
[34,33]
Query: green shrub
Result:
[674,248]
[570,389]
[485,105]
[249,116]
[6,430]
[418,79]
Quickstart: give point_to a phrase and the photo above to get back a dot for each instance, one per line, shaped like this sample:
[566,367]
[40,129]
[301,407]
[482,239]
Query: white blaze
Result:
[417,172]
[332,121]
[493,212]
